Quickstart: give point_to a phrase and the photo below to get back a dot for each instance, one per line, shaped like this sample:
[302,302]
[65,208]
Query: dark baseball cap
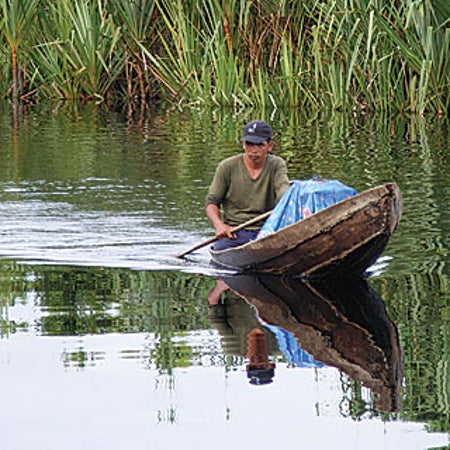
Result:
[257,131]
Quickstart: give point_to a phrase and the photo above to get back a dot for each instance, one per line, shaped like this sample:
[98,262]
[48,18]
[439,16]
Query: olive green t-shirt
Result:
[242,198]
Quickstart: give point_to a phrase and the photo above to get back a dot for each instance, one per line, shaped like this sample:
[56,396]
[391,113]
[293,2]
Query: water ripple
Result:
[62,233]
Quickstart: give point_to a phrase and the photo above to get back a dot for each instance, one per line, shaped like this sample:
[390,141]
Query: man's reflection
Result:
[231,316]
[259,369]
[341,322]
[215,294]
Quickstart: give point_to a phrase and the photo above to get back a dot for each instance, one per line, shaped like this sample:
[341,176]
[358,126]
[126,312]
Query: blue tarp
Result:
[303,198]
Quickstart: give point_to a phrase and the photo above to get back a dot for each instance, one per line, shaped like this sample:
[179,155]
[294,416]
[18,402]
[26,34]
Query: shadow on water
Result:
[341,323]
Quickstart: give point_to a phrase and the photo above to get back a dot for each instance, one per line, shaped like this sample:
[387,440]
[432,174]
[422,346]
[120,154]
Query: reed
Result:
[17,25]
[135,21]
[355,55]
[383,58]
[423,45]
[179,59]
[78,56]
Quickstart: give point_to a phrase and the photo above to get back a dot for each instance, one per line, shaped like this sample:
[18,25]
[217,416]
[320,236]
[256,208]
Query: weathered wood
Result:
[348,236]
[340,322]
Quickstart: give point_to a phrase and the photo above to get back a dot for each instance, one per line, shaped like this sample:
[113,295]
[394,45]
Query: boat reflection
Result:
[338,322]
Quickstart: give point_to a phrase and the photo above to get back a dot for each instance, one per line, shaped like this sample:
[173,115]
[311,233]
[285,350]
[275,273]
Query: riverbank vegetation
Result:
[356,55]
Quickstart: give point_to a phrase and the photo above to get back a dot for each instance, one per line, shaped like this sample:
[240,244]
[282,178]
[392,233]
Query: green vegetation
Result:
[419,305]
[353,55]
[76,302]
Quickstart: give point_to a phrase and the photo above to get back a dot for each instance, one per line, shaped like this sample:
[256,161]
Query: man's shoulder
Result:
[275,160]
[231,161]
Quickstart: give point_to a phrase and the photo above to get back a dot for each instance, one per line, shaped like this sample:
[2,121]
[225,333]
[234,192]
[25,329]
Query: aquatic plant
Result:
[354,55]
[135,21]
[16,25]
[182,58]
[78,54]
[338,55]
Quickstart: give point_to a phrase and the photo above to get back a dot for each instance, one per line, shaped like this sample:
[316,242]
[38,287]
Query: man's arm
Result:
[281,181]
[214,199]
[216,292]
[222,230]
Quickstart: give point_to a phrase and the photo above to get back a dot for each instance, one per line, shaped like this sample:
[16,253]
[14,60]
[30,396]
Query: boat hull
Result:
[348,236]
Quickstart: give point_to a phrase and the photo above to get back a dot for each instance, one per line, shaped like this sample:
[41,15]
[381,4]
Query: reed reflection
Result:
[340,323]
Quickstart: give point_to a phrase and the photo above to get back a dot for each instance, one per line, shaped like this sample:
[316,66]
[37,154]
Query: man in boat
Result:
[246,186]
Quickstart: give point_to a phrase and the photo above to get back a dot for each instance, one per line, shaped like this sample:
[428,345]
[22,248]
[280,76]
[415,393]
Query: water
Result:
[108,340]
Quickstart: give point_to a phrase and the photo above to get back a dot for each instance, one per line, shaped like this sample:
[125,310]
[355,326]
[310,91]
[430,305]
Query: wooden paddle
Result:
[233,230]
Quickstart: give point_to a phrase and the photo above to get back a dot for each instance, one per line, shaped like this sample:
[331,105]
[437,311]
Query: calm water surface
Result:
[108,341]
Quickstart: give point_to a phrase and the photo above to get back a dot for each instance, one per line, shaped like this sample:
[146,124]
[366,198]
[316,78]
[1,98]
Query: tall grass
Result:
[356,55]
[423,45]
[134,17]
[17,24]
[78,55]
[178,62]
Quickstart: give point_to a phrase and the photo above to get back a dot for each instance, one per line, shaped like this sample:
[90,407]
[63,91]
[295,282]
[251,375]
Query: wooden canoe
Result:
[342,323]
[348,236]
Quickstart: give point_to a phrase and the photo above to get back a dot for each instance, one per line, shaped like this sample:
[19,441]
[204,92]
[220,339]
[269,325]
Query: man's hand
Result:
[224,231]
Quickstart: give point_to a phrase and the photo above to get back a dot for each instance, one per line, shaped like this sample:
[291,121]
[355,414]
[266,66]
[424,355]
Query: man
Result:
[246,186]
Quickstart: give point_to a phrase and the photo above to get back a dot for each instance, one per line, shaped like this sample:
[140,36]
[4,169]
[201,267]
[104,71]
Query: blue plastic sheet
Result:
[304,198]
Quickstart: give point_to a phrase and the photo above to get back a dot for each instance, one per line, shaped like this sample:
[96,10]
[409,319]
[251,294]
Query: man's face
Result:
[257,152]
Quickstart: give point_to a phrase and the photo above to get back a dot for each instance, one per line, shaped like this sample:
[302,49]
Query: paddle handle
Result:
[233,230]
